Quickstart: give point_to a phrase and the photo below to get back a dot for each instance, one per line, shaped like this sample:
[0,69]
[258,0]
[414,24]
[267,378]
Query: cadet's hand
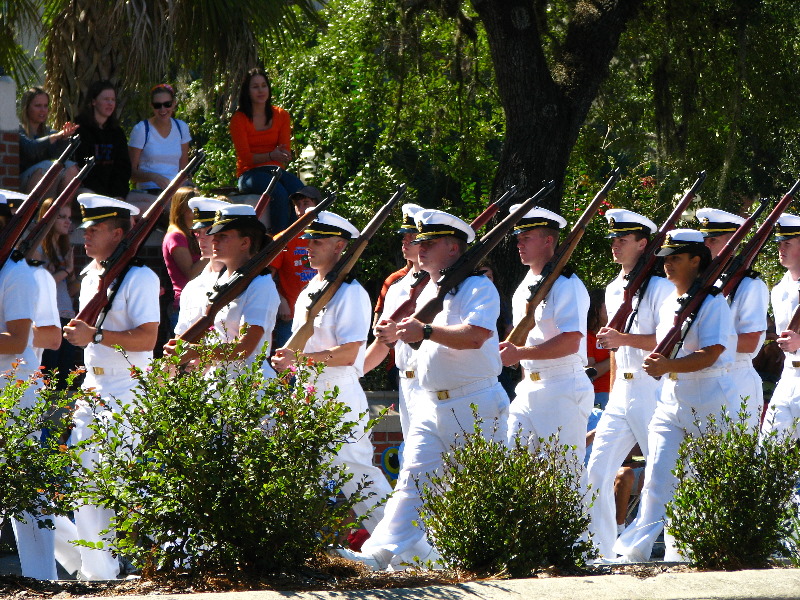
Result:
[283,359]
[509,354]
[609,338]
[386,332]
[788,341]
[409,330]
[656,365]
[189,353]
[79,333]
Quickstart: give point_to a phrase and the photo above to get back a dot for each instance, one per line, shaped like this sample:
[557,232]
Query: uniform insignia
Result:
[196,212]
[668,241]
[611,222]
[705,222]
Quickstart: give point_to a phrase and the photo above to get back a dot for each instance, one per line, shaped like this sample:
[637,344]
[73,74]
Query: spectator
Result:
[39,145]
[102,137]
[261,135]
[180,249]
[159,146]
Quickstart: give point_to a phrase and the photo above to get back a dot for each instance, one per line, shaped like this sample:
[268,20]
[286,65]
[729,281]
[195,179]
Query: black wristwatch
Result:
[427,331]
[98,336]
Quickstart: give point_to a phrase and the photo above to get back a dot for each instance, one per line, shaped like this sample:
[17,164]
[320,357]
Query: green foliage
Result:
[733,506]
[223,471]
[34,475]
[494,509]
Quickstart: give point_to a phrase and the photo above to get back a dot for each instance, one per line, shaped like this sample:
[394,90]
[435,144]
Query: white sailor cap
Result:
[409,225]
[13,199]
[328,224]
[714,222]
[622,222]
[432,224]
[537,217]
[681,240]
[234,216]
[204,210]
[787,227]
[96,209]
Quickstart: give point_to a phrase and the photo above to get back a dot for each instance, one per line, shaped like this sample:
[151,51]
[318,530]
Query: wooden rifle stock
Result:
[740,265]
[702,287]
[339,272]
[552,270]
[115,264]
[226,293]
[30,244]
[466,264]
[406,309]
[266,197]
[19,221]
[643,270]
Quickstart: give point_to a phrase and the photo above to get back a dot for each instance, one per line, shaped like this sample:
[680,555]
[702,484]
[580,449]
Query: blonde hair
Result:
[25,103]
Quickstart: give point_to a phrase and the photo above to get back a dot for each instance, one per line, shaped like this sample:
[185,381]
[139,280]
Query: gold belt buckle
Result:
[98,370]
[796,364]
[673,376]
[535,376]
[409,374]
[443,395]
[627,375]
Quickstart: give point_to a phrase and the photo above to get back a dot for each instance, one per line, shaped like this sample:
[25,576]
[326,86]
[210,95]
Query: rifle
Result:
[339,272]
[467,262]
[739,267]
[552,270]
[640,275]
[224,294]
[116,264]
[11,233]
[701,288]
[30,244]
[406,309]
[266,197]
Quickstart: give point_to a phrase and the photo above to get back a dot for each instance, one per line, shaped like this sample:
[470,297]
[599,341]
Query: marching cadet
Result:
[785,404]
[695,386]
[131,323]
[749,303]
[386,330]
[555,395]
[339,342]
[634,393]
[457,368]
[237,235]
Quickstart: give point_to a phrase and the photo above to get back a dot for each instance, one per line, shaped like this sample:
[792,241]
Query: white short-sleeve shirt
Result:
[564,309]
[194,299]
[18,299]
[404,356]
[160,155]
[749,308]
[46,314]
[785,297]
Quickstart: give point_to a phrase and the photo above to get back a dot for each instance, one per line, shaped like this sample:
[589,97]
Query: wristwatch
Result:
[427,331]
[98,336]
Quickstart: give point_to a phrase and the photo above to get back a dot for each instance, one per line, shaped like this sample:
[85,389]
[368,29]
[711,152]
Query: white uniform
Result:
[749,309]
[47,314]
[194,299]
[784,407]
[346,319]
[450,381]
[108,372]
[18,300]
[630,408]
[554,393]
[684,398]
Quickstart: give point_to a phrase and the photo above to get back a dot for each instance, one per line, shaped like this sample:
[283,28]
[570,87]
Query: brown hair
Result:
[180,202]
[25,103]
[56,246]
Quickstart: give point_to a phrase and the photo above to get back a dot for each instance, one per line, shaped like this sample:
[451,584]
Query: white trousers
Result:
[784,407]
[748,386]
[680,404]
[356,455]
[624,423]
[434,429]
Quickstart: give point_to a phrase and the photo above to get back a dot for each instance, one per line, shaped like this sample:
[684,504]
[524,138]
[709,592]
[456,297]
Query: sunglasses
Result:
[160,105]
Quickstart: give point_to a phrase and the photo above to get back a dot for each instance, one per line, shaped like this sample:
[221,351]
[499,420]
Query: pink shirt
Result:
[172,240]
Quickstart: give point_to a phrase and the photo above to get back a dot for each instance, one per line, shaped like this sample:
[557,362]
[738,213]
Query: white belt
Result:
[704,374]
[551,372]
[741,363]
[464,390]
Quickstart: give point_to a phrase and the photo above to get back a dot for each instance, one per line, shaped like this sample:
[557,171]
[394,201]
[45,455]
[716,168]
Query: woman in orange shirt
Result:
[261,135]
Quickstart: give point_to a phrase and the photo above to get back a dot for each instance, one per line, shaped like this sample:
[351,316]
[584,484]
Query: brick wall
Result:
[9,135]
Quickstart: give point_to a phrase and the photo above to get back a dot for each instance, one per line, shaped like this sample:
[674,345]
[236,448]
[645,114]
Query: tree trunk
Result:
[545,103]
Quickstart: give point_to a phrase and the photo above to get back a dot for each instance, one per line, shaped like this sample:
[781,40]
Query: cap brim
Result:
[319,236]
[424,237]
[235,224]
[783,238]
[92,222]
[408,230]
[678,250]
[710,234]
[617,234]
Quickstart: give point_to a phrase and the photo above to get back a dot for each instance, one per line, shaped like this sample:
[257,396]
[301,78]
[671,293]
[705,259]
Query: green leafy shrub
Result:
[224,471]
[732,507]
[34,475]
[494,509]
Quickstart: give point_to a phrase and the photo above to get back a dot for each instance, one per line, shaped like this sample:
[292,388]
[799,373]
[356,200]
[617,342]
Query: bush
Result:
[732,507]
[222,472]
[494,509]
[35,473]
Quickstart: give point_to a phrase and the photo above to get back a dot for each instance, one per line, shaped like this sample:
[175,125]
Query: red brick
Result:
[394,436]
[10,159]
[379,436]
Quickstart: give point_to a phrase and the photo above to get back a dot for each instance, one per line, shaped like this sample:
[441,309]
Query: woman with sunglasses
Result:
[159,145]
